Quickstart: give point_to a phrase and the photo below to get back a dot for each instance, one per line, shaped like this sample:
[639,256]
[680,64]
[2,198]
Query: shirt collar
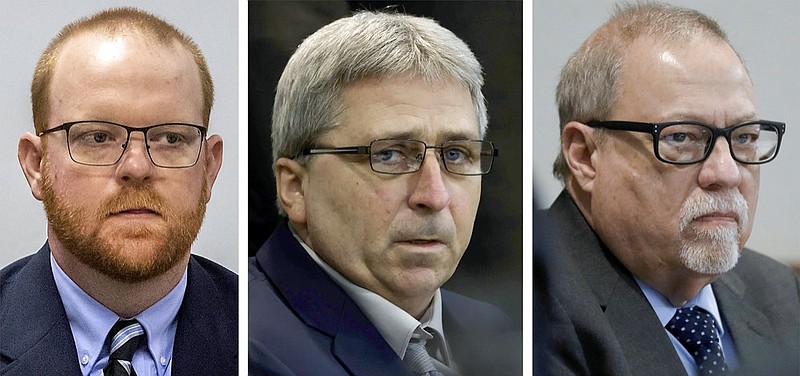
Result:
[394,324]
[665,310]
[91,321]
[160,322]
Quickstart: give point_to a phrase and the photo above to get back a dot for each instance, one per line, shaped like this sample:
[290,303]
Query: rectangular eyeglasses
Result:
[102,143]
[390,156]
[687,142]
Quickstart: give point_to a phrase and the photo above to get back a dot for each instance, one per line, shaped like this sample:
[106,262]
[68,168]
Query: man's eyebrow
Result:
[458,136]
[418,134]
[401,135]
[745,118]
[685,116]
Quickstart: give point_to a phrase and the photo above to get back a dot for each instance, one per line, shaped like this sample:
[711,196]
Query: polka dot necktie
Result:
[696,330]
[126,337]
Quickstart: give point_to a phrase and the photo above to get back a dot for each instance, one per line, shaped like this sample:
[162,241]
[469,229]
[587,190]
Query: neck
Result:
[415,307]
[679,288]
[123,298]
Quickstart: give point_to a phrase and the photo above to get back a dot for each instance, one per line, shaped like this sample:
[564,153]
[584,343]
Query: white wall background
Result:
[765,33]
[27,28]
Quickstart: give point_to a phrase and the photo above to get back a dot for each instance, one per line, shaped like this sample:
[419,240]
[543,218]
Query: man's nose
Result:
[430,191]
[720,170]
[135,166]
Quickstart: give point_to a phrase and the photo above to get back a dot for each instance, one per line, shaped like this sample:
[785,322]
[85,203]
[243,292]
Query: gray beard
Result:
[713,251]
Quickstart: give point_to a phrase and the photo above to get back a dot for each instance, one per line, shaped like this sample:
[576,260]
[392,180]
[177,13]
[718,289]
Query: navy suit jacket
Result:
[35,337]
[302,323]
[600,322]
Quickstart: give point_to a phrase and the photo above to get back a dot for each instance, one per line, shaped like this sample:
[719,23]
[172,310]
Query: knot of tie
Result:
[696,330]
[126,336]
[418,360]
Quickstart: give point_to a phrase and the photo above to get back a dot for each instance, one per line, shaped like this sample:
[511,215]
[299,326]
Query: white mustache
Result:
[715,202]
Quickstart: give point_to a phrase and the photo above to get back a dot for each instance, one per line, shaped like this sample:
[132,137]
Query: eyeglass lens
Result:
[686,143]
[99,143]
[465,157]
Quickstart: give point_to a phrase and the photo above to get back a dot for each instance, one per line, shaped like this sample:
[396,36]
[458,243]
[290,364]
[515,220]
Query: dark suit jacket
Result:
[301,322]
[604,325]
[35,337]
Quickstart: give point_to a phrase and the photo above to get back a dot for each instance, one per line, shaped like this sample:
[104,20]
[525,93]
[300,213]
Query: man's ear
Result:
[578,148]
[289,177]
[30,154]
[213,161]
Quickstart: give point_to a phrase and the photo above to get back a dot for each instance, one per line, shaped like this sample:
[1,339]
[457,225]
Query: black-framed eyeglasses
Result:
[102,143]
[687,142]
[390,156]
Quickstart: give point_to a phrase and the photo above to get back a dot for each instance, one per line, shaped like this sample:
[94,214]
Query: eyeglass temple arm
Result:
[621,125]
[342,150]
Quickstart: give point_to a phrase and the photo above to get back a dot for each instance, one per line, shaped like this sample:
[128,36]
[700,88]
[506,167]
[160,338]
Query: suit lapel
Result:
[323,305]
[637,330]
[749,327]
[34,317]
[203,337]
[361,348]
[457,331]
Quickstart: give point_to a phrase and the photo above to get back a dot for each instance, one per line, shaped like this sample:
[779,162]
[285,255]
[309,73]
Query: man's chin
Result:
[131,260]
[710,259]
[136,271]
[133,232]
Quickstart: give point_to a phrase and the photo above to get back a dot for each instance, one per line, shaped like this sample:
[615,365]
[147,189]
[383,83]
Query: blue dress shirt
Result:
[706,300]
[90,323]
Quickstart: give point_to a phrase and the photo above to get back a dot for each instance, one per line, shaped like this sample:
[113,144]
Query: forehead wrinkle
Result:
[708,120]
[417,134]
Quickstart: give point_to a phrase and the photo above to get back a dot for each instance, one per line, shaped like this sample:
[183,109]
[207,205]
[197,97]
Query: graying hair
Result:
[589,85]
[366,45]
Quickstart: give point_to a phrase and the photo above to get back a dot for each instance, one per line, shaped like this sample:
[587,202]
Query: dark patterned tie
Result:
[126,336]
[696,330]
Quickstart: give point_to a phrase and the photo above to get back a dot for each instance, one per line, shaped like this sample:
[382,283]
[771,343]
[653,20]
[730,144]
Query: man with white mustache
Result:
[661,146]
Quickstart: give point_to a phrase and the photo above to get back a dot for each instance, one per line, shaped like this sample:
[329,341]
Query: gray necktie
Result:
[126,337]
[418,360]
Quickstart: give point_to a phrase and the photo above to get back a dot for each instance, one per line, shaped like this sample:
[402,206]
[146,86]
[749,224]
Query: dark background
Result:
[491,269]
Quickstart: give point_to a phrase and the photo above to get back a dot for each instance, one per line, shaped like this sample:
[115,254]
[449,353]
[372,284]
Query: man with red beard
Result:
[123,164]
[660,151]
